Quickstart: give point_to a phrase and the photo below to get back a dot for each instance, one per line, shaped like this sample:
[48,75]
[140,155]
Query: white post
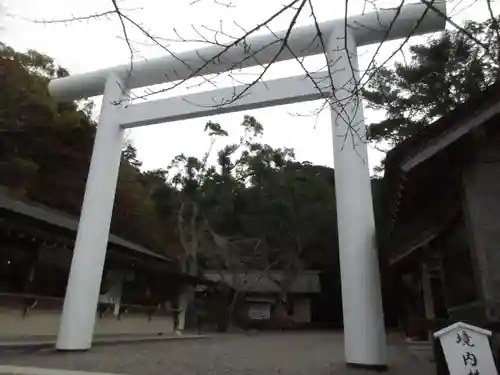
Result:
[364,331]
[82,292]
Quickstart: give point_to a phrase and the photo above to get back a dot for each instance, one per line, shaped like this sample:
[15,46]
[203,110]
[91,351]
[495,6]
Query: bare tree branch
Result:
[125,35]
[227,4]
[88,17]
[430,4]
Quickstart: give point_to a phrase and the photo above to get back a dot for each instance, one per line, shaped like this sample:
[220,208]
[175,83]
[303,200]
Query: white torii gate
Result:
[364,332]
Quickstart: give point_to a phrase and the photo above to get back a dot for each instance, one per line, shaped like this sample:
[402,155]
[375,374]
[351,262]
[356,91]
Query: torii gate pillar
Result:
[364,331]
[84,282]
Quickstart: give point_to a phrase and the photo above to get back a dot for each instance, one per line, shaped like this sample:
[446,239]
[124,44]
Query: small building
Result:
[440,238]
[138,286]
[260,292]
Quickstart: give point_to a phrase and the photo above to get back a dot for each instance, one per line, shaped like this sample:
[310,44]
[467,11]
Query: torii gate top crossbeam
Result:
[412,19]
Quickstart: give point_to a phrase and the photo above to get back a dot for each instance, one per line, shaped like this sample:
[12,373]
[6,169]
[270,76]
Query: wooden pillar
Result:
[31,269]
[427,293]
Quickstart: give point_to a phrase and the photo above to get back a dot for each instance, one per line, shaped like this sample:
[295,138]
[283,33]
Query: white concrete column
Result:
[82,293]
[364,331]
[186,297]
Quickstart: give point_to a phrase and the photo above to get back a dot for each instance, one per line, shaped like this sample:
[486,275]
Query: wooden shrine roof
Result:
[56,219]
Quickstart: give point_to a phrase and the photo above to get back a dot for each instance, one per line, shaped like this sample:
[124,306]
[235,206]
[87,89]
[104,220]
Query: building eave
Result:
[60,220]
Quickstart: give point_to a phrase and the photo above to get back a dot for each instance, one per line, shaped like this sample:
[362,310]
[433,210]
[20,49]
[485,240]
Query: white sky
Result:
[87,46]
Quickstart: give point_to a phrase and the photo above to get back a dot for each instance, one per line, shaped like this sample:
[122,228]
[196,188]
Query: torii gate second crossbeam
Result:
[364,332]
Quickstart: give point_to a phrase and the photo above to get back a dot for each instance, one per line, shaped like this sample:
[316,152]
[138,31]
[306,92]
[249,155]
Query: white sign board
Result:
[467,350]
[259,311]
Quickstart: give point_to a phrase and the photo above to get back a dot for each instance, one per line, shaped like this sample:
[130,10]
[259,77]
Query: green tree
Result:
[39,137]
[291,209]
[256,208]
[45,150]
[441,75]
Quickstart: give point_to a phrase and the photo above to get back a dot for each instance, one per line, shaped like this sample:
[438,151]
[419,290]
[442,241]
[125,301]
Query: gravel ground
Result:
[231,354]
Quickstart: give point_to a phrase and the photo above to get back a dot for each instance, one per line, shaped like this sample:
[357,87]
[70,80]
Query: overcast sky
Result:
[87,46]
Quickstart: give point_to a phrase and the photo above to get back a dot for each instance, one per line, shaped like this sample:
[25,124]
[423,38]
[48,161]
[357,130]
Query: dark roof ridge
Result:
[63,220]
